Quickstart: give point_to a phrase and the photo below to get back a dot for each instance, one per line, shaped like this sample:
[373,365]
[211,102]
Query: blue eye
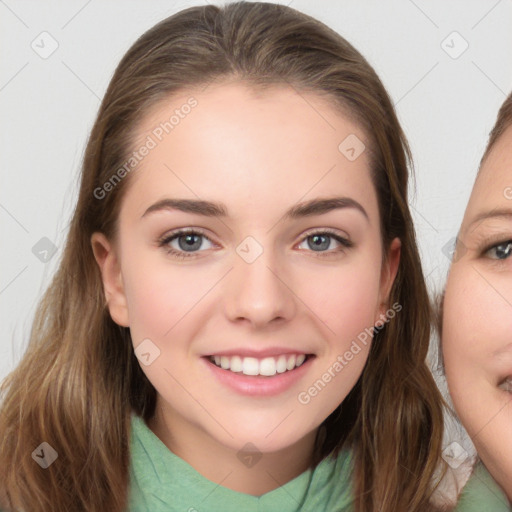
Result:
[322,240]
[500,251]
[190,241]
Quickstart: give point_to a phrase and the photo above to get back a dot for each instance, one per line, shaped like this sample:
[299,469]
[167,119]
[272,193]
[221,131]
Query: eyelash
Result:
[167,238]
[495,245]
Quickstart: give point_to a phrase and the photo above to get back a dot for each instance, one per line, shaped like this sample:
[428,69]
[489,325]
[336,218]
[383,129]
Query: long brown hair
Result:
[79,380]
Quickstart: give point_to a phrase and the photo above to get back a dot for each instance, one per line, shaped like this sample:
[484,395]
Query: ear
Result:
[388,273]
[108,261]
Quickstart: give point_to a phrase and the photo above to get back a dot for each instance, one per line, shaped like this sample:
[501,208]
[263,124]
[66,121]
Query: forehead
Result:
[495,177]
[270,145]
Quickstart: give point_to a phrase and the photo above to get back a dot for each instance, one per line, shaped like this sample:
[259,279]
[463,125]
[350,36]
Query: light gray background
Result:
[446,105]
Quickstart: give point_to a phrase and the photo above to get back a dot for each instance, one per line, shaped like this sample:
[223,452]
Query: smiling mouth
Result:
[506,385]
[267,367]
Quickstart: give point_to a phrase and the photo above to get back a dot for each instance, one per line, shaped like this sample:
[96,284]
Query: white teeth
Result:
[236,364]
[290,363]
[267,366]
[250,366]
[281,364]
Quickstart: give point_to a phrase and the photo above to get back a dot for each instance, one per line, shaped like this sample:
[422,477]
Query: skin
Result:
[477,318]
[259,154]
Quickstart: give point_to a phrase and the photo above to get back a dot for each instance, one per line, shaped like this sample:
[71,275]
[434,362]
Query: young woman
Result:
[477,309]
[239,320]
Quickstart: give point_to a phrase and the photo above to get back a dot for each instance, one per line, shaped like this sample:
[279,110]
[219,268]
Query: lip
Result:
[258,385]
[502,374]
[258,354]
[505,384]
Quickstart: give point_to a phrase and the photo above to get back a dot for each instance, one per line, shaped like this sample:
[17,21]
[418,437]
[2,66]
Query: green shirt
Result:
[162,481]
[482,494]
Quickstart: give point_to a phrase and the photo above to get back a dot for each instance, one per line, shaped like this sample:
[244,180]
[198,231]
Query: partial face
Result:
[239,308]
[477,326]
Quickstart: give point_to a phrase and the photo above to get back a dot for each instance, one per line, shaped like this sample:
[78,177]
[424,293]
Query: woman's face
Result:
[248,325]
[477,325]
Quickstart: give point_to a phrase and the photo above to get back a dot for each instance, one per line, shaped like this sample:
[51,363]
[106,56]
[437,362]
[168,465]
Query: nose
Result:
[259,293]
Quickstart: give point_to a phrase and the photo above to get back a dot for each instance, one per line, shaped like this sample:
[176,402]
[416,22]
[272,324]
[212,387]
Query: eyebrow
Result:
[212,209]
[491,214]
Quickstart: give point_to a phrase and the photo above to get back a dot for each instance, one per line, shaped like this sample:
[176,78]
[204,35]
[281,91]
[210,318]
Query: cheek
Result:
[461,349]
[348,301]
[477,324]
[344,294]
[461,304]
[159,295]
[477,321]
[480,328]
